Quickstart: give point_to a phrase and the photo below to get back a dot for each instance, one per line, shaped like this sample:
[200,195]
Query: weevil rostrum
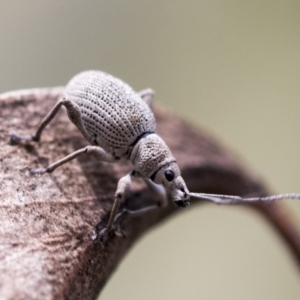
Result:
[119,123]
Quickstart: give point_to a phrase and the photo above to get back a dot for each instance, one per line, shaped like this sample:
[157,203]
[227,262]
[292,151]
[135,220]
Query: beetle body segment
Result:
[113,115]
[150,154]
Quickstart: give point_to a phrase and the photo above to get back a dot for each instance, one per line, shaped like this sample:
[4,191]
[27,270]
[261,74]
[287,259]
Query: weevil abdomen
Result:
[113,114]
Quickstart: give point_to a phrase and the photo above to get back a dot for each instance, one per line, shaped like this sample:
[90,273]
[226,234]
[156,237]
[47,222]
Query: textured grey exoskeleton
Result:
[119,122]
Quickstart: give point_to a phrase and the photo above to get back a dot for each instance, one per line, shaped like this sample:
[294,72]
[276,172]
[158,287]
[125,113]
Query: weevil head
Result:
[153,159]
[169,176]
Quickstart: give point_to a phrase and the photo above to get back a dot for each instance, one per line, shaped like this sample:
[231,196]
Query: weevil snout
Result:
[182,203]
[181,195]
[170,177]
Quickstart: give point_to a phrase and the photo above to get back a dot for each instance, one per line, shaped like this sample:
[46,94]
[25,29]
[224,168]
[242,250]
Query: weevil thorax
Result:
[153,159]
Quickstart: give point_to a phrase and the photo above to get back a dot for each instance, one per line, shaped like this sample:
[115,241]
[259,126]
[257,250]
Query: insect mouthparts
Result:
[182,203]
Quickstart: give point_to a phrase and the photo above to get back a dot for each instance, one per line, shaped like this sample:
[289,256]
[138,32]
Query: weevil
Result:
[119,123]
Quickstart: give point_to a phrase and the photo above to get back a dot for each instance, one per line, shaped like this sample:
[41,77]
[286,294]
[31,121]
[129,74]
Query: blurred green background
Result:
[232,67]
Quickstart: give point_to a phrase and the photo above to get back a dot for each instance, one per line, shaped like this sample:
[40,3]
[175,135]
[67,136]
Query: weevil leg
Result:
[16,138]
[96,151]
[47,119]
[161,201]
[159,191]
[124,185]
[148,96]
[126,212]
[74,115]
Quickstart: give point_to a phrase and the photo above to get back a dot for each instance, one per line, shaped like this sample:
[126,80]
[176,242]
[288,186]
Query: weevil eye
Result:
[169,175]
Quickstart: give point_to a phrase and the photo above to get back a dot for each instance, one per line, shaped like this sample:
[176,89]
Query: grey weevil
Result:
[119,123]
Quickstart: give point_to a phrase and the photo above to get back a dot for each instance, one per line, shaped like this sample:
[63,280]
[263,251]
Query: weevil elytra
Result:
[119,123]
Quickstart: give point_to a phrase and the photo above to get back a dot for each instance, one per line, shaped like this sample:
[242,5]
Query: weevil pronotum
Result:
[119,122]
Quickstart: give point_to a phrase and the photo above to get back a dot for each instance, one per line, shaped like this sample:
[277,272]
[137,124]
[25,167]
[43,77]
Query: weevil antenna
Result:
[230,199]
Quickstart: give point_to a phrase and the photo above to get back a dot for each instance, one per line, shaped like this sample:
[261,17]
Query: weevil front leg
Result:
[161,200]
[96,151]
[159,192]
[124,185]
